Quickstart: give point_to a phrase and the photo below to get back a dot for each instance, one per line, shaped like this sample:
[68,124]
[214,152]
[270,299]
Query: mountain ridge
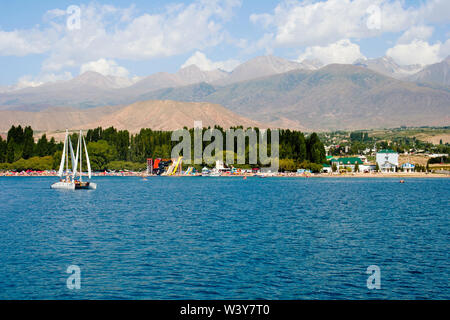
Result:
[438,73]
[336,96]
[333,97]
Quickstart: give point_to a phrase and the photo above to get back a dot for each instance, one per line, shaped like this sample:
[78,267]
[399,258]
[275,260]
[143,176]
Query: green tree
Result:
[15,133]
[287,165]
[42,147]
[315,149]
[3,146]
[122,144]
[56,160]
[28,143]
[10,151]
[125,165]
[356,167]
[100,154]
[34,163]
[334,167]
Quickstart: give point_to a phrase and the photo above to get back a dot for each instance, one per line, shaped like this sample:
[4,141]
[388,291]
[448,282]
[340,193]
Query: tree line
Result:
[112,149]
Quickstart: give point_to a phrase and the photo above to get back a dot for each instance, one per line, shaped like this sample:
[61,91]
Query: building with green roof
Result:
[386,151]
[346,162]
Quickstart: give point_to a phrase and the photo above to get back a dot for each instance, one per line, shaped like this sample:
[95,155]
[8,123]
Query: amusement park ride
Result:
[168,167]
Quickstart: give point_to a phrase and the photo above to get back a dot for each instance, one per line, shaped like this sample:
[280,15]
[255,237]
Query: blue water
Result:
[225,238]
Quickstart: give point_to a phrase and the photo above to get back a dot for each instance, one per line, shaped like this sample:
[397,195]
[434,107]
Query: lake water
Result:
[225,238]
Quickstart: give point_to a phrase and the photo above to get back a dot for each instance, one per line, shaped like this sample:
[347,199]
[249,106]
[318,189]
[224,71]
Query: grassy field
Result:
[429,134]
[435,139]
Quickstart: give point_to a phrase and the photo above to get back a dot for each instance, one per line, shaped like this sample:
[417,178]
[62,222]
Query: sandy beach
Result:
[287,175]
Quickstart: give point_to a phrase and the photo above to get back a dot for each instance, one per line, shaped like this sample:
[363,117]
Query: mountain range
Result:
[333,97]
[270,90]
[438,73]
[92,89]
[387,66]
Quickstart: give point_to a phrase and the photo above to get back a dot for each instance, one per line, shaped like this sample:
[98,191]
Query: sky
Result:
[42,41]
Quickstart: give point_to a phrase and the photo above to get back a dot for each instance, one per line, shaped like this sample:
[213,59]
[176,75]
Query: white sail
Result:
[72,157]
[87,159]
[61,166]
[73,184]
[75,167]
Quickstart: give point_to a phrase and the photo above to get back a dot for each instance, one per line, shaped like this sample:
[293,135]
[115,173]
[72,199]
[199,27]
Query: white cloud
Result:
[415,52]
[445,49]
[200,60]
[309,23]
[413,48]
[105,67]
[30,81]
[22,43]
[114,33]
[342,51]
[436,11]
[263,19]
[416,33]
[54,13]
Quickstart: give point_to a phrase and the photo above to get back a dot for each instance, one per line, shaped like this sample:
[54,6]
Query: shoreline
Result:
[281,175]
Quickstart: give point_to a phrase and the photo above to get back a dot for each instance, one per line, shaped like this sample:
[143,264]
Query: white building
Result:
[363,159]
[408,167]
[387,160]
[221,167]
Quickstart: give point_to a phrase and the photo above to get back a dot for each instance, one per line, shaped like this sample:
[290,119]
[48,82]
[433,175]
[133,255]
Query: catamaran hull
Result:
[64,185]
[74,186]
[85,186]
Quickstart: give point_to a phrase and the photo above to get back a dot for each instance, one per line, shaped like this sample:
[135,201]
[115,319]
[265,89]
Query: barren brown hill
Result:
[155,114]
[171,115]
[52,119]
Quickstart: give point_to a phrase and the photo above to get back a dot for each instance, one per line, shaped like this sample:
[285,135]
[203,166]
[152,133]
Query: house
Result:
[408,167]
[387,160]
[326,168]
[343,163]
[363,159]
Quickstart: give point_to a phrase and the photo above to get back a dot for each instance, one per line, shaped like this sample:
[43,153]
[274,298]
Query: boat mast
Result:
[67,155]
[81,154]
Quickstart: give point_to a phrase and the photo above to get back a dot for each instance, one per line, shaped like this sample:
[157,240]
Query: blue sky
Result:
[138,38]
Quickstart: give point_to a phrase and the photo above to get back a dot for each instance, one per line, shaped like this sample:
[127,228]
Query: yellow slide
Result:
[176,166]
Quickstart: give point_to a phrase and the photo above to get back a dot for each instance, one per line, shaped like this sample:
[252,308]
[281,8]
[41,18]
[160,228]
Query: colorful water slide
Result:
[178,163]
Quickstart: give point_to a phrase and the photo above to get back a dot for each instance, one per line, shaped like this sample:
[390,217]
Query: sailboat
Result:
[65,183]
[70,182]
[79,183]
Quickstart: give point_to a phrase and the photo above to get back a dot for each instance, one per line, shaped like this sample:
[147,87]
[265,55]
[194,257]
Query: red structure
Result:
[157,166]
